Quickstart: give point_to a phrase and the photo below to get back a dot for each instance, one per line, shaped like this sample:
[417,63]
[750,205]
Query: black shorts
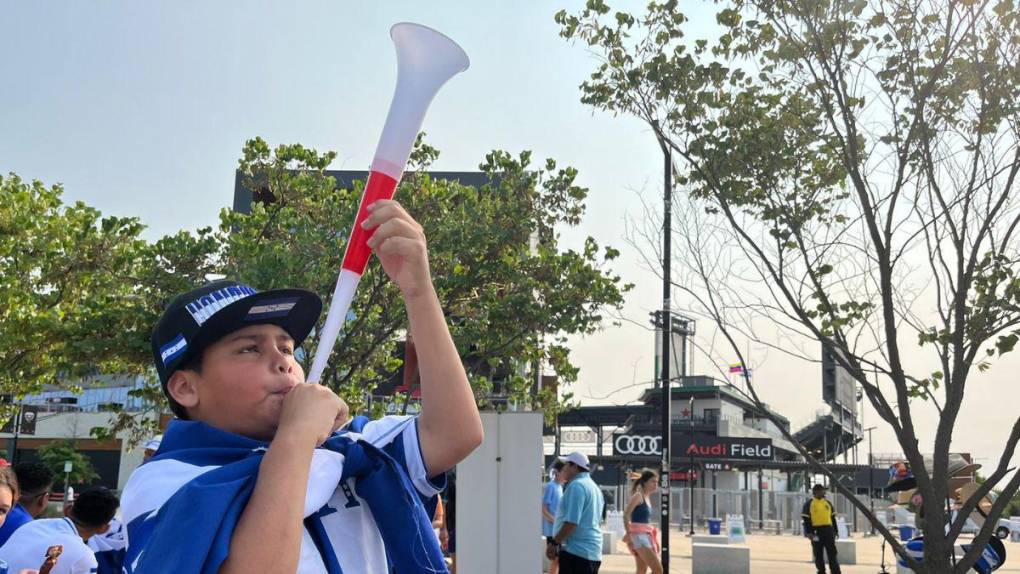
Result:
[572,564]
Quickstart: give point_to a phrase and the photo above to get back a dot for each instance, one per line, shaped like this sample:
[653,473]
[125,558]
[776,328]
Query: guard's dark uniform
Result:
[820,523]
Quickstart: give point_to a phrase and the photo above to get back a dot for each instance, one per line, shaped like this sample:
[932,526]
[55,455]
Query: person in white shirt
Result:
[91,514]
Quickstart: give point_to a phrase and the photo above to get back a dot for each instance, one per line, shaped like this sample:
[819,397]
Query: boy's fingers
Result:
[402,246]
[385,204]
[394,228]
[385,210]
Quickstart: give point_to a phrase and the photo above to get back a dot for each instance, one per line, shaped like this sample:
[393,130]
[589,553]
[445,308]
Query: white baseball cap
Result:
[154,442]
[578,459]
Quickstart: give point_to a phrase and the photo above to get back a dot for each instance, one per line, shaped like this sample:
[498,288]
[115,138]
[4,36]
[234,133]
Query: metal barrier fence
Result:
[780,510]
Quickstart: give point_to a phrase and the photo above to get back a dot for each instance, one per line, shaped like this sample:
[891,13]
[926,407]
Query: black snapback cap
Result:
[196,319]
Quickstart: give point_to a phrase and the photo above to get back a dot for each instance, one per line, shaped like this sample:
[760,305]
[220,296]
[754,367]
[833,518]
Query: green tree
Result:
[511,293]
[160,270]
[861,158]
[64,279]
[499,271]
[54,454]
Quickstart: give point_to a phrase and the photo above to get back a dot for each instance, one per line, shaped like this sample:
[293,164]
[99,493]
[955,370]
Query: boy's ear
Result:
[183,387]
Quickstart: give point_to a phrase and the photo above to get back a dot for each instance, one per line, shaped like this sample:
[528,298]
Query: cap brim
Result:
[567,459]
[903,484]
[294,310]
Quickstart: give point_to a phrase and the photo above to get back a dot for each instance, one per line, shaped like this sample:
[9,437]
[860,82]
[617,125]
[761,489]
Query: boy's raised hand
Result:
[399,242]
[311,413]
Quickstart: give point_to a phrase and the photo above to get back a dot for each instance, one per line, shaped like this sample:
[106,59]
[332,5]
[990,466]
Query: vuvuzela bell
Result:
[426,59]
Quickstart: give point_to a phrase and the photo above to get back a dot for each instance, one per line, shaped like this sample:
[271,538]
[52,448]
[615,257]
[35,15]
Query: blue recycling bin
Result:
[906,532]
[715,525]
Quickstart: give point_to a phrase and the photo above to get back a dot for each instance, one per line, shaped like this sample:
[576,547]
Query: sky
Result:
[141,109]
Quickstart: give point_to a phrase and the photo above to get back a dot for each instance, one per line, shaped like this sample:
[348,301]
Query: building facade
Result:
[61,414]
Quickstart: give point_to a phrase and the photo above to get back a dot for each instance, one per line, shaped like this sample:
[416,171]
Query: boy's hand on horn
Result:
[399,243]
[311,413]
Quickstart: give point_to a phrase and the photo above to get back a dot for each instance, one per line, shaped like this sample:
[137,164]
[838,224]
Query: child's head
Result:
[225,353]
[35,480]
[8,492]
[93,510]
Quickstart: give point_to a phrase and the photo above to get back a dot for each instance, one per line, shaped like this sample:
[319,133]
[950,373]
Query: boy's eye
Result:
[287,350]
[250,349]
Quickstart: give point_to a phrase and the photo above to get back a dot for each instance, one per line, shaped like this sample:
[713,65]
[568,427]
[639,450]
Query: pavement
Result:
[783,554]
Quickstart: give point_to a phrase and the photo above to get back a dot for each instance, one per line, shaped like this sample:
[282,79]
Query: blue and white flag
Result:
[367,506]
[110,548]
[992,557]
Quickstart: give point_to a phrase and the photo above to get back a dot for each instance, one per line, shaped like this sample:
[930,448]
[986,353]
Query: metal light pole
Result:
[17,429]
[871,478]
[667,324]
[691,462]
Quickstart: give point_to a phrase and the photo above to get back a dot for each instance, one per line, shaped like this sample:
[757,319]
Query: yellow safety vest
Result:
[821,512]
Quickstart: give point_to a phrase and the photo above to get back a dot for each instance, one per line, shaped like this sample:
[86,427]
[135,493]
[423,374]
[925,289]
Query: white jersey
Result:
[26,548]
[109,548]
[332,508]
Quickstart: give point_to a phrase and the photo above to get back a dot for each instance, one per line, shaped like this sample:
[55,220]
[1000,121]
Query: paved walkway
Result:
[784,554]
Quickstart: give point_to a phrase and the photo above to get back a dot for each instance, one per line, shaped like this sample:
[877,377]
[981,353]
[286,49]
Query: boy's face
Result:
[245,377]
[6,502]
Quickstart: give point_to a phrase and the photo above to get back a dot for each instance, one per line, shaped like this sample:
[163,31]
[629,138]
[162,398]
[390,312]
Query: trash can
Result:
[906,532]
[715,525]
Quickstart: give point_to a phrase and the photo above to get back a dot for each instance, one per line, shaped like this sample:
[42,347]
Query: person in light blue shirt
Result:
[550,504]
[578,533]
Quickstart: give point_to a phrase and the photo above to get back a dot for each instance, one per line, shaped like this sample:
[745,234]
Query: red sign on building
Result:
[682,475]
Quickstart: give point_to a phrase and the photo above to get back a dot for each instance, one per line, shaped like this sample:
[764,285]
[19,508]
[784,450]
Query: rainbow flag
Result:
[739,369]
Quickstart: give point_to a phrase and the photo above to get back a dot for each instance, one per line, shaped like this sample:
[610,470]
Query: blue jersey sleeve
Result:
[398,437]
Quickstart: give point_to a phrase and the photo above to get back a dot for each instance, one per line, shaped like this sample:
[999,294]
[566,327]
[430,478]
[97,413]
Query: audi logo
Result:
[627,444]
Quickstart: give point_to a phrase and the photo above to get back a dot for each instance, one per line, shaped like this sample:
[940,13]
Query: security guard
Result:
[820,527]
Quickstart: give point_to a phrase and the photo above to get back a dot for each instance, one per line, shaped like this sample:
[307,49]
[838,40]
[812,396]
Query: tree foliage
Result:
[83,292]
[63,280]
[55,453]
[499,271]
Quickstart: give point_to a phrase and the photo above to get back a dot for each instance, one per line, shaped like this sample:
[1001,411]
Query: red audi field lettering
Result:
[714,450]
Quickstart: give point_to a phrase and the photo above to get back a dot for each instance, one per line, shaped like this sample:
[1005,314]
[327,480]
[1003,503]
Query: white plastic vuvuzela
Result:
[426,59]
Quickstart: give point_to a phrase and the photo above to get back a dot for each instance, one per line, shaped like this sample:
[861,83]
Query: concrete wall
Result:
[499,497]
[731,411]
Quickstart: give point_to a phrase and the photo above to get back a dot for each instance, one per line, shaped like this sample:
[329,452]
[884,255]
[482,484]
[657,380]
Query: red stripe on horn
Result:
[379,186]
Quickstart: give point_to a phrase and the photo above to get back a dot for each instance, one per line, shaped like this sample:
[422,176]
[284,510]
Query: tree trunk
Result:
[938,550]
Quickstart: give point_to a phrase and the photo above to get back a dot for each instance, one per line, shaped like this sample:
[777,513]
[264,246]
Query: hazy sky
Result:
[141,109]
